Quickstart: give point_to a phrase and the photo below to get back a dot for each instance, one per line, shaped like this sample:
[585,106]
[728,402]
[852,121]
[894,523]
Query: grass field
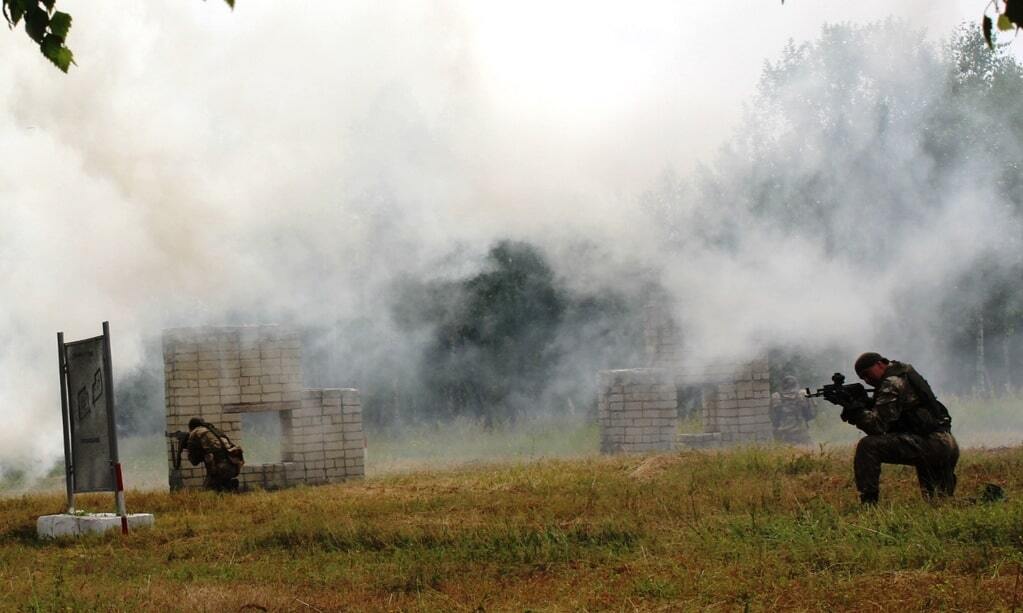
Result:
[755,529]
[464,518]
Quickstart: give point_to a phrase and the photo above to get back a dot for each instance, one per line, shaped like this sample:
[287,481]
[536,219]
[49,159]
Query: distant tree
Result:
[841,144]
[46,26]
[513,339]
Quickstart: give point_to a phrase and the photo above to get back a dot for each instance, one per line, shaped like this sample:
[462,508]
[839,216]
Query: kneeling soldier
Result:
[790,412]
[222,458]
[905,425]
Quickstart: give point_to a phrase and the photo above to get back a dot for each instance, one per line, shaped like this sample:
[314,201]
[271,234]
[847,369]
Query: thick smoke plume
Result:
[289,163]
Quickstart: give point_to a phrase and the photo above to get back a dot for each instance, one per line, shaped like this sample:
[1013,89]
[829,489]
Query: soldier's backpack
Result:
[935,417]
[235,455]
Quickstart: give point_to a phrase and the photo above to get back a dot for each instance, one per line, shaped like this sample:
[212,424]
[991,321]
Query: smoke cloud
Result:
[287,163]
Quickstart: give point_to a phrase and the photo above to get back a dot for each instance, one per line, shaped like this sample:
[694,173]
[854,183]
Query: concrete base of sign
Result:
[53,526]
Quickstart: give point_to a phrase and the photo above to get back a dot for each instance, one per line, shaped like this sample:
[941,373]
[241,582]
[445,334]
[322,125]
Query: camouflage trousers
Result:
[795,436]
[221,476]
[934,456]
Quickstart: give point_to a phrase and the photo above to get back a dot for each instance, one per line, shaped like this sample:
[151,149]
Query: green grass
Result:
[764,529]
[465,441]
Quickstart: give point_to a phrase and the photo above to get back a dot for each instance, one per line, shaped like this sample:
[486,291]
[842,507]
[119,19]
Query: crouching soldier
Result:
[905,424]
[222,458]
[790,412]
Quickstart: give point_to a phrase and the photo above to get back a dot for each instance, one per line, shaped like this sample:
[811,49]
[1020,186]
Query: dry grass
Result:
[758,529]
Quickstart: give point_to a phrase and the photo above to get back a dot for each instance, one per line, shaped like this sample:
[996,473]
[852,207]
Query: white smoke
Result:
[290,158]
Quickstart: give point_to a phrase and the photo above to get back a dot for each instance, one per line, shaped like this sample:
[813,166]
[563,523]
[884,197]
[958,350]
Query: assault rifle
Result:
[181,438]
[852,397]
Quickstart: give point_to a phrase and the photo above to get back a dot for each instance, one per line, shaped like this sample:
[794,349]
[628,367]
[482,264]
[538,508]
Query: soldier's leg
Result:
[222,476]
[876,449]
[209,480]
[928,479]
[936,470]
[803,439]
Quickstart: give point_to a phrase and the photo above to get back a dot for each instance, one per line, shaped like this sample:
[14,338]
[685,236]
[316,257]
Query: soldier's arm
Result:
[809,410]
[887,407]
[195,452]
[210,442]
[775,402]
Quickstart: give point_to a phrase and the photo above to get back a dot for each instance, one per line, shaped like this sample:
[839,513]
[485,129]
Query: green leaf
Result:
[55,51]
[1004,24]
[12,13]
[1014,11]
[60,23]
[49,4]
[986,28]
[36,21]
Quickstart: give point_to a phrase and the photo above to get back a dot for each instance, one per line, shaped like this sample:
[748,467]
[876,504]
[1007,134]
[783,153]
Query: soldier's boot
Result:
[868,498]
[929,480]
[947,486]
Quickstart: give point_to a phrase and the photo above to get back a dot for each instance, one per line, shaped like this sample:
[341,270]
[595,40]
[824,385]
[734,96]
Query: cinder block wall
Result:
[637,410]
[736,396]
[737,400]
[218,373]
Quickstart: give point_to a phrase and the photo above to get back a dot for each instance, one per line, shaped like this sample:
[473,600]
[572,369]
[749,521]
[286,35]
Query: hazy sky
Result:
[198,159]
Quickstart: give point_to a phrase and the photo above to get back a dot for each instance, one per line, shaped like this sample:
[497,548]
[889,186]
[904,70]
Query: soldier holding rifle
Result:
[904,422]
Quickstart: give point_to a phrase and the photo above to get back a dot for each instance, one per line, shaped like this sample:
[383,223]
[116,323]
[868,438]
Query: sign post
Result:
[89,422]
[91,463]
[69,470]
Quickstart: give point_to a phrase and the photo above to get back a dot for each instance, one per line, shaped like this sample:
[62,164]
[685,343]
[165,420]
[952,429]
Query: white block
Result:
[53,526]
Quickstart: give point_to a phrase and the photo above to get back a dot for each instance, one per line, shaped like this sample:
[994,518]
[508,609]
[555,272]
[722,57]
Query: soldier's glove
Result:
[851,413]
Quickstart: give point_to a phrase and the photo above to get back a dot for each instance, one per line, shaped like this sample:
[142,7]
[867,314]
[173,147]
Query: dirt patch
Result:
[655,466]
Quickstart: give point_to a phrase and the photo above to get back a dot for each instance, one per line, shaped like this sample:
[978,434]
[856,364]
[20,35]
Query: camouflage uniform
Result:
[901,429]
[206,447]
[790,410]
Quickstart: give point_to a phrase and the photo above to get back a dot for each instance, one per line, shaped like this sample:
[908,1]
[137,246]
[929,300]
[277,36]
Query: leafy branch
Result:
[1009,17]
[46,26]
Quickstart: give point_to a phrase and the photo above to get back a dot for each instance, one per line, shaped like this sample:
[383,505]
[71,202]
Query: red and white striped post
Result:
[119,497]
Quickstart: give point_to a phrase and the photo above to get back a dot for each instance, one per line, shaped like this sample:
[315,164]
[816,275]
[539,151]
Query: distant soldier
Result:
[790,412]
[905,424]
[222,458]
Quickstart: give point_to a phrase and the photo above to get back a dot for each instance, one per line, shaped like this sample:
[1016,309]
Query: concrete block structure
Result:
[221,373]
[638,409]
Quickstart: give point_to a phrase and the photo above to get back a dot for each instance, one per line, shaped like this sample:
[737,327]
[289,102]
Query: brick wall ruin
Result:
[221,373]
[638,409]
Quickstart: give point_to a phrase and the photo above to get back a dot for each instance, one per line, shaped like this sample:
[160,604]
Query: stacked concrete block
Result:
[735,395]
[661,338]
[740,408]
[637,410]
[221,372]
[325,435]
[272,476]
[353,437]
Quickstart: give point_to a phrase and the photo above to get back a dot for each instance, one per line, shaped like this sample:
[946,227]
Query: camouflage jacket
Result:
[790,411]
[204,446]
[903,404]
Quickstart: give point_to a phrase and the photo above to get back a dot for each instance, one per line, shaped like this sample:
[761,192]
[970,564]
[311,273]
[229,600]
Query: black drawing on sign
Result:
[84,407]
[97,385]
